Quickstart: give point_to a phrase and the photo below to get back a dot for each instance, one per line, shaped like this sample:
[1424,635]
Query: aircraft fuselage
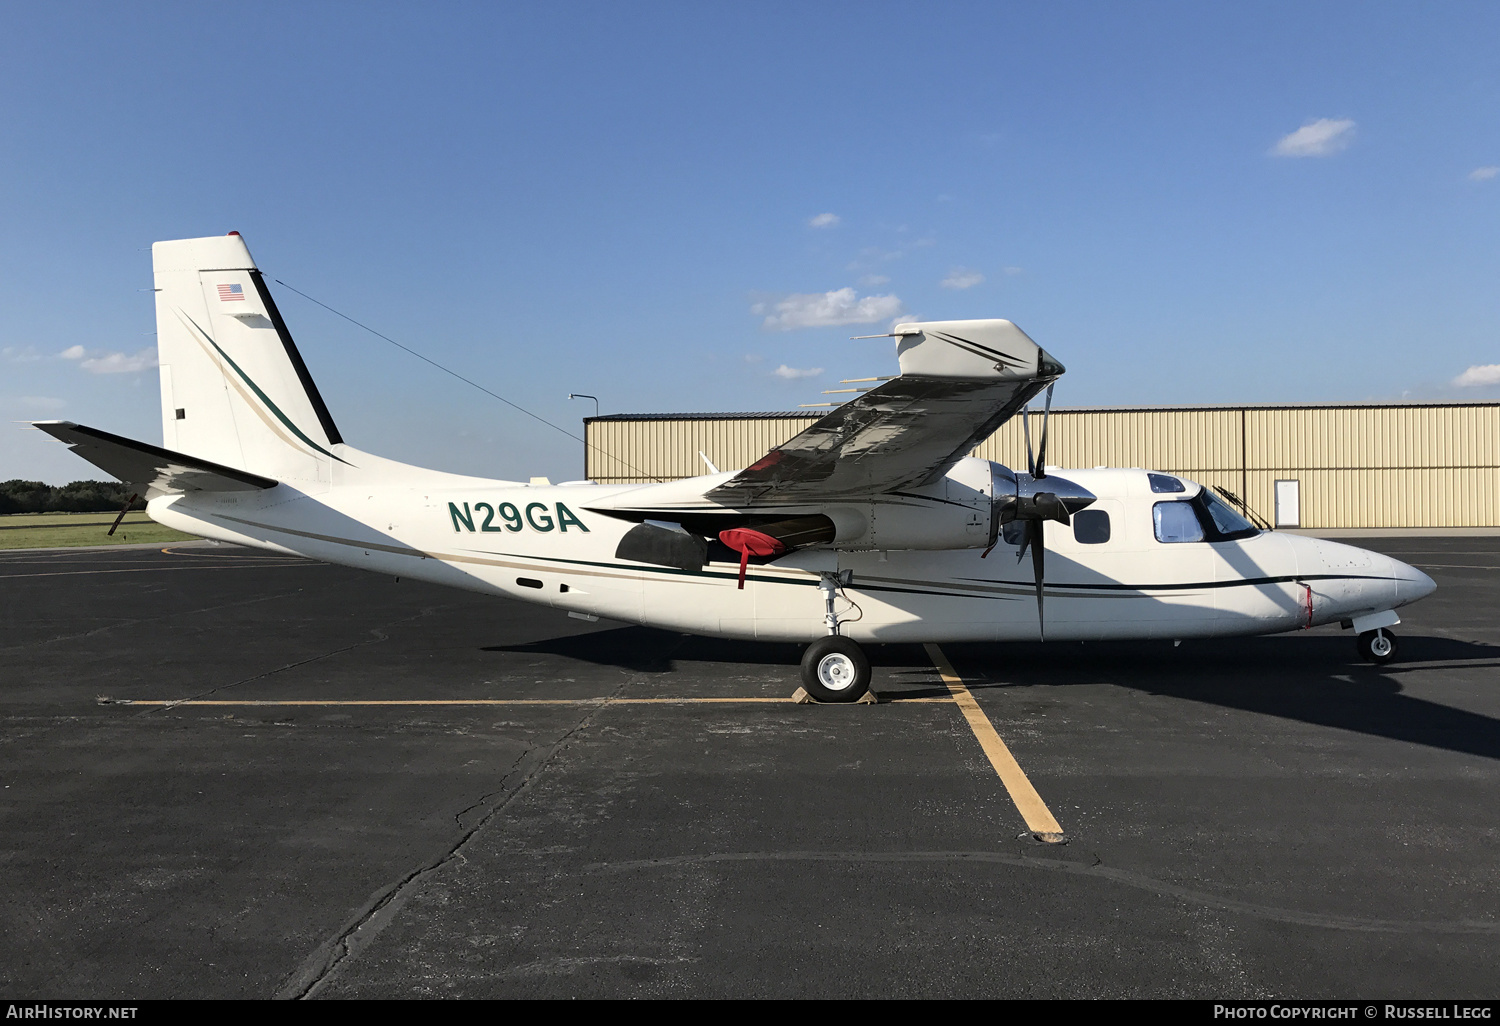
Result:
[548,545]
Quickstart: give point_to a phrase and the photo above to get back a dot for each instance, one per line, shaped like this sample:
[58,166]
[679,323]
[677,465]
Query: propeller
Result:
[1037,508]
[1037,465]
[1034,540]
[1041,446]
[1043,506]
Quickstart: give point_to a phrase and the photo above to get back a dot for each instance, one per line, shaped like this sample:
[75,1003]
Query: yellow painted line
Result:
[468,701]
[279,559]
[1039,819]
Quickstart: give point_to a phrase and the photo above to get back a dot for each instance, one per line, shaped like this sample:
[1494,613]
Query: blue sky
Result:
[666,204]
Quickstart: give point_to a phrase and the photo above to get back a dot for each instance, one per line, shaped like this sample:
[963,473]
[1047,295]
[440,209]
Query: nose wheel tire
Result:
[834,669]
[1377,646]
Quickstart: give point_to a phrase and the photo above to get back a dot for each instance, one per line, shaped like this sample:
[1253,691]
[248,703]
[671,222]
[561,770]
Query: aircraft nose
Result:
[1411,583]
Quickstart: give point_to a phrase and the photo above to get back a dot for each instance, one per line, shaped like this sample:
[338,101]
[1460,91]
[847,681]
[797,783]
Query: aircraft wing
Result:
[960,380]
[155,470]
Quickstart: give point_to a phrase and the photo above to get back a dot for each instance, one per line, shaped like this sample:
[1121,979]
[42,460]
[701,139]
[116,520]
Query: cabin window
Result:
[1176,522]
[1014,532]
[1091,527]
[528,582]
[1165,483]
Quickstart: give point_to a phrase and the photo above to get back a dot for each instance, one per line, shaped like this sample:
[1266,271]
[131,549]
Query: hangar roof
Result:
[814,412]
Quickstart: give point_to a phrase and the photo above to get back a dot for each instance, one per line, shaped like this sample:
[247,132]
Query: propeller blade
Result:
[1038,566]
[1040,470]
[1026,428]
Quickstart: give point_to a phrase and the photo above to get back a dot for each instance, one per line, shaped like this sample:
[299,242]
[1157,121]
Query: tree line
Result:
[19,496]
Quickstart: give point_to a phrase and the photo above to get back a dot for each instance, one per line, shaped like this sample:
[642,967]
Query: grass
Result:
[59,530]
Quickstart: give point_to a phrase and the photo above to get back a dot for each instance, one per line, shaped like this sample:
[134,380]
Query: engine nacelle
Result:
[897,525]
[954,512]
[965,509]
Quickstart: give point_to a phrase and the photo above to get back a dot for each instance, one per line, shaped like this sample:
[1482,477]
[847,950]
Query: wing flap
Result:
[156,471]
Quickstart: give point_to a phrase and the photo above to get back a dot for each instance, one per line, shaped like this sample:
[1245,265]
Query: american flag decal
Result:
[230,293]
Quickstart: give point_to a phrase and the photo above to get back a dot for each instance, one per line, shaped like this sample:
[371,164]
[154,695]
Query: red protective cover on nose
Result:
[750,542]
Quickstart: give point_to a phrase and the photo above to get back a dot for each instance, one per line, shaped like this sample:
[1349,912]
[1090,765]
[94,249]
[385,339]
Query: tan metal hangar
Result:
[1319,467]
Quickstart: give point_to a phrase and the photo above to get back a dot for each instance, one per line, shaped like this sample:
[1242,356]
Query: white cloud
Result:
[111,363]
[1015,270]
[871,281]
[753,358]
[826,309]
[20,354]
[42,402]
[1479,375]
[1321,138]
[824,221]
[119,363]
[960,278]
[793,373]
[1484,174]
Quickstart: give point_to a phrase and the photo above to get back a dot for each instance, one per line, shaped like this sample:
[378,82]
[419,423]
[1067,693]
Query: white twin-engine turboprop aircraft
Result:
[872,525]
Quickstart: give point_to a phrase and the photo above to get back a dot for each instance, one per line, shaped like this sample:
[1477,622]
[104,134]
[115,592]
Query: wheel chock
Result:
[801,697]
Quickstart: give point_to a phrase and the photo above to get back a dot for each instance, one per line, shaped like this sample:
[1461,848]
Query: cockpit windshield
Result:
[1221,522]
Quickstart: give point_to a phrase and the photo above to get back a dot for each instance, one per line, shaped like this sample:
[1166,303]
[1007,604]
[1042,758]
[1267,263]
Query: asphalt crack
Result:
[378,913]
[458,817]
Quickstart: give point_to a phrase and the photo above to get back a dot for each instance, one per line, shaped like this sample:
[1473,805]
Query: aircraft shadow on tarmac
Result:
[1315,679]
[649,650]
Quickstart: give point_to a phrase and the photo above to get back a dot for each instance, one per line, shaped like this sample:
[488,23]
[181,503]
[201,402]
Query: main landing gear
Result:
[1377,646]
[835,669]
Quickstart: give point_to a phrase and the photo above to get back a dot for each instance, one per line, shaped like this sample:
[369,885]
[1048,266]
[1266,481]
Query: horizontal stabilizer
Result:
[155,470]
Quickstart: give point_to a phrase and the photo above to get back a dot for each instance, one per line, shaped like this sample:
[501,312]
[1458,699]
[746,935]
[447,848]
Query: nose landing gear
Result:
[1377,646]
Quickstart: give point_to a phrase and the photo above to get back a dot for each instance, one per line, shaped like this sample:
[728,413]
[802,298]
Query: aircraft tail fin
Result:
[234,389]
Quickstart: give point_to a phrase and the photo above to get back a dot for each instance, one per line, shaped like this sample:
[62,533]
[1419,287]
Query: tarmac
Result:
[456,796]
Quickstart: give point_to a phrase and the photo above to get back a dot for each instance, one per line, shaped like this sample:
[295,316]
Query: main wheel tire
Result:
[1377,646]
[834,669]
